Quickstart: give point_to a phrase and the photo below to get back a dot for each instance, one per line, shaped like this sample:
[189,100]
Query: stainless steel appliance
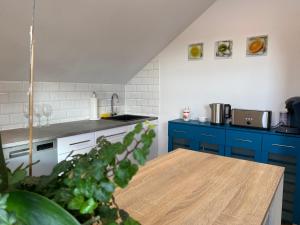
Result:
[251,118]
[219,113]
[293,117]
[44,151]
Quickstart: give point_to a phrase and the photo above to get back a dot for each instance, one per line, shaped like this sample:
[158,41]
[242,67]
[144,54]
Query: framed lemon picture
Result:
[195,51]
[257,46]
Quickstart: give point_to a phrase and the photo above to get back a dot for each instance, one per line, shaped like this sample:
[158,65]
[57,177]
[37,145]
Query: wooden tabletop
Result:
[191,188]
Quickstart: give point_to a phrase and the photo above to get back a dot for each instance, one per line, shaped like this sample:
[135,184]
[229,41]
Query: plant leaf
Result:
[88,206]
[108,215]
[76,203]
[140,155]
[128,139]
[17,176]
[138,128]
[3,170]
[131,221]
[34,209]
[124,173]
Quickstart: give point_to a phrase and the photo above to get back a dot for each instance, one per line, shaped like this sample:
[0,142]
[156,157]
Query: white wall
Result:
[244,82]
[70,101]
[142,91]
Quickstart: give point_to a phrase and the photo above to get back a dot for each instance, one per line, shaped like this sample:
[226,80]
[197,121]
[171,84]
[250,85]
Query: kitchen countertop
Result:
[17,137]
[230,127]
[200,189]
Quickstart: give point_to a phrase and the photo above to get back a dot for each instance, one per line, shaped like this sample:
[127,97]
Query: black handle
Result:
[227,111]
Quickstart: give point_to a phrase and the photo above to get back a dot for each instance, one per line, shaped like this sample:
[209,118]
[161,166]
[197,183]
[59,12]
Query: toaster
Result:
[251,118]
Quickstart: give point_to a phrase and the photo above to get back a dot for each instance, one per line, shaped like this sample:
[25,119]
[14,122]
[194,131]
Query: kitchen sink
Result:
[126,117]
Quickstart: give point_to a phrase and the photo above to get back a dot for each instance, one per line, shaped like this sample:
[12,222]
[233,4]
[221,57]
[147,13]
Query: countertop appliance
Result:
[220,112]
[293,117]
[44,151]
[251,118]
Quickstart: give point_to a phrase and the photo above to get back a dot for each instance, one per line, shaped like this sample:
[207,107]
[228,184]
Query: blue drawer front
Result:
[210,135]
[282,144]
[245,140]
[180,130]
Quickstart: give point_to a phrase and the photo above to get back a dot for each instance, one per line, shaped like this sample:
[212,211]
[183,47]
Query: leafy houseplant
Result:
[84,184]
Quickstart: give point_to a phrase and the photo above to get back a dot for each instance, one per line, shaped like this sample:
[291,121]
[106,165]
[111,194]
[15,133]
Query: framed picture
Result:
[257,46]
[223,49]
[195,51]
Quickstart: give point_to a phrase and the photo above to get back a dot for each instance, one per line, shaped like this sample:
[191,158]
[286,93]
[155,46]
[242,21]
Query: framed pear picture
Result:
[195,51]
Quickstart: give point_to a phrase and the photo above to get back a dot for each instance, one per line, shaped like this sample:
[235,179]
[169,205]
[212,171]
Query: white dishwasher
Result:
[44,151]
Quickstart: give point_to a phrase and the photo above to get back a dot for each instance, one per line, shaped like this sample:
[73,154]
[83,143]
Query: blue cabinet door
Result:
[284,151]
[210,140]
[180,136]
[243,145]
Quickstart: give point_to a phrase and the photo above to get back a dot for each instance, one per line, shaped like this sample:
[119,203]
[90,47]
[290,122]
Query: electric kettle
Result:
[220,113]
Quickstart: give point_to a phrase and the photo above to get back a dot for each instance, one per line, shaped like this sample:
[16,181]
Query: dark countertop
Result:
[229,127]
[16,137]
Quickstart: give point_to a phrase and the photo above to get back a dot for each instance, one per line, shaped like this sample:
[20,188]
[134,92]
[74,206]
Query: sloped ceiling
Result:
[104,41]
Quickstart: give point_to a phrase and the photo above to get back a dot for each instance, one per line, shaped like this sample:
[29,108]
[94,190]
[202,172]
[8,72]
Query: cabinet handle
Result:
[244,140]
[18,153]
[284,146]
[179,131]
[207,135]
[80,142]
[113,135]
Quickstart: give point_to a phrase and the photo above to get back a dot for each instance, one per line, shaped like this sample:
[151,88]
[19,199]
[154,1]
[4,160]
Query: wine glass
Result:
[38,112]
[26,114]
[47,111]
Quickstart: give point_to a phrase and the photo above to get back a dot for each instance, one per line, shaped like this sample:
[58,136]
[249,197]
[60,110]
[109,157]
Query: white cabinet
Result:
[154,147]
[83,143]
[79,144]
[113,135]
[63,156]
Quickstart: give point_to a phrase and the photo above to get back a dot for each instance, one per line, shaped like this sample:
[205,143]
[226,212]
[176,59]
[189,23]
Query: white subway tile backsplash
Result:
[4,97]
[17,118]
[6,86]
[142,91]
[17,97]
[84,87]
[67,86]
[4,120]
[69,101]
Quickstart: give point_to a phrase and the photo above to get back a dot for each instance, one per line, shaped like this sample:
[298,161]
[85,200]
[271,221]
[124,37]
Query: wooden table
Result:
[191,188]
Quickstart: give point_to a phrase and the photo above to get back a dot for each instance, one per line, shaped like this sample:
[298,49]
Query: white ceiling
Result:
[104,41]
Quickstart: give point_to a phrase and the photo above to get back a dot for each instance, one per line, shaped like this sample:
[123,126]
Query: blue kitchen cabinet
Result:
[243,145]
[210,140]
[249,144]
[191,136]
[180,136]
[284,151]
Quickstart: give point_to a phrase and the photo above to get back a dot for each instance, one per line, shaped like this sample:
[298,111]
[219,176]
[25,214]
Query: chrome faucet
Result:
[113,97]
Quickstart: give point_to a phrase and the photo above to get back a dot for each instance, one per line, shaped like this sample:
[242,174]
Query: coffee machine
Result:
[293,117]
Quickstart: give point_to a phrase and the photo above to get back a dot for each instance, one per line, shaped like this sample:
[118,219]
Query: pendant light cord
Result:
[31,80]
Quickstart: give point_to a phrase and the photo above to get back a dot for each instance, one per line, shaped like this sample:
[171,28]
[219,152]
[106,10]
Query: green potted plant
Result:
[80,187]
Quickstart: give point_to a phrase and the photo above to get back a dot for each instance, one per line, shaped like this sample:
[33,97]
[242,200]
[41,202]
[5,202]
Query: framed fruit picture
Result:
[223,49]
[195,51]
[257,46]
